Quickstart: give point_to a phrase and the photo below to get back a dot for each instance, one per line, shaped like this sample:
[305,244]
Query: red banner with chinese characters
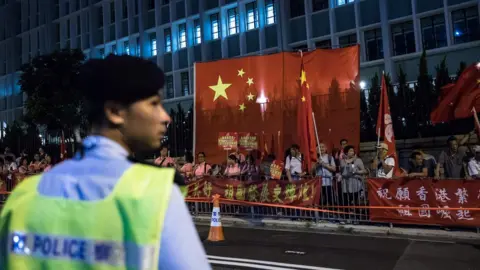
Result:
[425,193]
[248,141]
[228,140]
[300,193]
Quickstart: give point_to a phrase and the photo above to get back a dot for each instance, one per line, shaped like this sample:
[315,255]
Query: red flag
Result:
[457,99]
[385,126]
[63,148]
[272,146]
[306,132]
[265,147]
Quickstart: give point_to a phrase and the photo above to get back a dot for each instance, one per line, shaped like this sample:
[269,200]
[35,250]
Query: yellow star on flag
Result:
[220,89]
[250,96]
[303,77]
[242,107]
[250,81]
[241,72]
[303,99]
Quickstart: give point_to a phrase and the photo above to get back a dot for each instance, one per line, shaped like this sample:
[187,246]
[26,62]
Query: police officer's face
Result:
[144,124]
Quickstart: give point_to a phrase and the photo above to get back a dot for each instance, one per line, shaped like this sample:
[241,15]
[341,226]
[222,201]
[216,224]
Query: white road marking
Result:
[258,263]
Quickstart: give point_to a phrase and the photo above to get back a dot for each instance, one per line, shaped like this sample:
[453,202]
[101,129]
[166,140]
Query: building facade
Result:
[176,33]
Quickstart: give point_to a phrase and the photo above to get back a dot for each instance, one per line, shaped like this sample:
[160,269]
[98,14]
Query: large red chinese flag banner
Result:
[259,94]
[306,131]
[385,125]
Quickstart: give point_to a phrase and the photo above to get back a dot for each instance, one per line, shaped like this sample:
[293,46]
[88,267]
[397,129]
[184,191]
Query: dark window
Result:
[165,2]
[301,47]
[233,25]
[125,9]
[270,13]
[324,44]
[252,15]
[79,24]
[465,25]
[185,83]
[374,44]
[346,41]
[135,7]
[319,5]
[215,26]
[169,86]
[67,7]
[151,4]
[114,49]
[100,17]
[433,32]
[403,38]
[168,40]
[68,28]
[102,53]
[112,12]
[297,8]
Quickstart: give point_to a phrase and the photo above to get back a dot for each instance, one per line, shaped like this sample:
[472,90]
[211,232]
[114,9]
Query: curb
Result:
[372,230]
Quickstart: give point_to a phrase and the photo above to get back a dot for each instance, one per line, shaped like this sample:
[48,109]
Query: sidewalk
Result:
[372,230]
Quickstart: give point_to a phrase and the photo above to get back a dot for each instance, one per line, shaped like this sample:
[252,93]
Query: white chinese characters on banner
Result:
[405,211]
[403,194]
[441,195]
[424,213]
[383,193]
[462,195]
[422,193]
[445,214]
[464,215]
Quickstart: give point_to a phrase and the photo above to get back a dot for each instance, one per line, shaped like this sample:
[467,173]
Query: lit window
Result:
[215,28]
[182,36]
[138,46]
[114,49]
[252,16]
[153,44]
[270,9]
[168,40]
[127,48]
[233,27]
[198,32]
[343,2]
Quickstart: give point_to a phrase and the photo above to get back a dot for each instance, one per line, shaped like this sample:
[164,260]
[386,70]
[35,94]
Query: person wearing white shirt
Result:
[293,164]
[386,167]
[474,163]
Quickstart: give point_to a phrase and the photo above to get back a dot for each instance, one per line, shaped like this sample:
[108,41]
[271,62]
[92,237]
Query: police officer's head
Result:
[124,100]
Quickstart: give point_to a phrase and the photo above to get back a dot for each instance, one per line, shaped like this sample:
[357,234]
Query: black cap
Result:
[123,78]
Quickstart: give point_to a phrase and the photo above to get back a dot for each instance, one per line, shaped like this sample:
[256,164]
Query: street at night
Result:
[260,249]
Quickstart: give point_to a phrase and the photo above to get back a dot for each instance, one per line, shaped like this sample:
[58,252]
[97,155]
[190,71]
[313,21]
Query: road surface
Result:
[267,249]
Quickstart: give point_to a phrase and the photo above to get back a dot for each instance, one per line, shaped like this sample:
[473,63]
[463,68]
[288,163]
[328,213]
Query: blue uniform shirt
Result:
[94,176]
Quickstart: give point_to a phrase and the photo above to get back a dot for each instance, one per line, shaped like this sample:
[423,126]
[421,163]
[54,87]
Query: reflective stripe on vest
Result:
[122,231]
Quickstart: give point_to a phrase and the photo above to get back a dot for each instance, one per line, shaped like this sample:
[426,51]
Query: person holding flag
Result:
[386,162]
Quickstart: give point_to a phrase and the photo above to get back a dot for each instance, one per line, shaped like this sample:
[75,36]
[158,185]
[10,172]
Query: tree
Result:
[460,69]
[423,95]
[366,127]
[13,136]
[374,100]
[52,101]
[405,100]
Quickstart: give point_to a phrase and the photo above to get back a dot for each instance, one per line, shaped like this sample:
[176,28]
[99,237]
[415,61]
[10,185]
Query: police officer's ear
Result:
[115,112]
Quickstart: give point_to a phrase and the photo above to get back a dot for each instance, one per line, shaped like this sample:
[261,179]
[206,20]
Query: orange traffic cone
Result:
[216,229]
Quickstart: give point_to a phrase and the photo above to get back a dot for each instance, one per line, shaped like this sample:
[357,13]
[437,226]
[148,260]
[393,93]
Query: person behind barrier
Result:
[102,209]
[294,163]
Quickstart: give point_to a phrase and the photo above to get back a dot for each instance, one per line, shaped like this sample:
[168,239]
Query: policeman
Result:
[100,210]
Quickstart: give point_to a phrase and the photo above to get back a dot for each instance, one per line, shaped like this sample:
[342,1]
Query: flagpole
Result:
[316,132]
